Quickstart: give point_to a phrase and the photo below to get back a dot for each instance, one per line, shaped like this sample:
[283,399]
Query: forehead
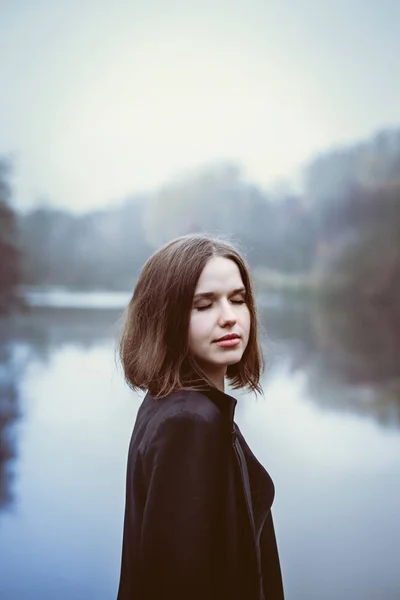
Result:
[219,275]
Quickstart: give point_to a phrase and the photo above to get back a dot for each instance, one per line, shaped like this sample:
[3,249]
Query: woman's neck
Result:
[218,379]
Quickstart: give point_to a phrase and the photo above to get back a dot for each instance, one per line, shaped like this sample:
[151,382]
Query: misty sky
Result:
[101,99]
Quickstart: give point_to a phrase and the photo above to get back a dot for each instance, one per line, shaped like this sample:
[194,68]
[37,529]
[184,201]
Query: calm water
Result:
[328,430]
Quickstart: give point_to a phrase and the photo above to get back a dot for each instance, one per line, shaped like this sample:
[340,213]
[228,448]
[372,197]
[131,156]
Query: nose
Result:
[227,315]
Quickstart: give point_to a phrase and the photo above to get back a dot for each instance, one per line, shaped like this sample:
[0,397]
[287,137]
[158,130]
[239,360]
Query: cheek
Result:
[246,323]
[197,330]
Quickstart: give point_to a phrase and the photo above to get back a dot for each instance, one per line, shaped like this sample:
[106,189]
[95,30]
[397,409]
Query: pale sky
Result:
[101,99]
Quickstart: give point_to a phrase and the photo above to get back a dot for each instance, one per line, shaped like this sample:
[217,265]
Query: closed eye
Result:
[239,301]
[203,307]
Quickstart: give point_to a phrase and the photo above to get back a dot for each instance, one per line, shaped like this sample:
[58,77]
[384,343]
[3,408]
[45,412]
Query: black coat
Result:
[198,521]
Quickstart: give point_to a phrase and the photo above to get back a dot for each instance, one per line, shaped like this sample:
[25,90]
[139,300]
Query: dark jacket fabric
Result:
[198,521]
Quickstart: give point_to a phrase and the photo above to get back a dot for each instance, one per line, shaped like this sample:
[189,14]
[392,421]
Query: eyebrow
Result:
[213,294]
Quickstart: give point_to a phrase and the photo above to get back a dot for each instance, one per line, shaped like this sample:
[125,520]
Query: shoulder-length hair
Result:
[154,348]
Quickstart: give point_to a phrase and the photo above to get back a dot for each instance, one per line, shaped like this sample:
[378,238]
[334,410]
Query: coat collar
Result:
[225,402]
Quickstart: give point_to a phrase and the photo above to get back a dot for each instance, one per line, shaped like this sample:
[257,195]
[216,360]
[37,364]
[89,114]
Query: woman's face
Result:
[219,309]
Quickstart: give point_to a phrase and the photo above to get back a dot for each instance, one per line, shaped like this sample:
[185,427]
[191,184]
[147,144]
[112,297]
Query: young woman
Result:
[198,521]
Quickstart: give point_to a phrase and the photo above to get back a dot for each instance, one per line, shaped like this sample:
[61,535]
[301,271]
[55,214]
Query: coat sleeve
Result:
[181,519]
[271,570]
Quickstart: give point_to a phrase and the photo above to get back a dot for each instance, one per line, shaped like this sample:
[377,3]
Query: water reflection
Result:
[361,343]
[9,414]
[360,359]
[45,329]
[349,354]
[34,336]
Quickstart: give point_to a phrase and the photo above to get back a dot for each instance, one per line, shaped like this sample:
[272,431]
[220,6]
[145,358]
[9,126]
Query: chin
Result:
[233,359]
[233,362]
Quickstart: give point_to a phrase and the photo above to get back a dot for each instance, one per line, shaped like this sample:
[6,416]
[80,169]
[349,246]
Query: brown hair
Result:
[154,348]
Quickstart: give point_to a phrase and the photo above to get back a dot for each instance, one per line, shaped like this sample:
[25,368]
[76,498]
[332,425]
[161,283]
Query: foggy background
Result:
[125,124]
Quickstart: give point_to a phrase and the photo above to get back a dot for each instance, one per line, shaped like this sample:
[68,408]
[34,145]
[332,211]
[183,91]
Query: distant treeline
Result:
[10,264]
[344,227]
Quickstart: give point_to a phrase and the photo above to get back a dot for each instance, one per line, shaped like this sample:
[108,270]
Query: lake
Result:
[327,429]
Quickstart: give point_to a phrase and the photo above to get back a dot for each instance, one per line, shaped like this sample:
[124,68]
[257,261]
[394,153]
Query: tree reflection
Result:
[359,358]
[361,341]
[9,413]
[45,329]
[350,353]
[34,335]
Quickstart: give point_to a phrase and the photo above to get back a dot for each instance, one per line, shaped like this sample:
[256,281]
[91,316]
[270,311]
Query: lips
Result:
[229,336]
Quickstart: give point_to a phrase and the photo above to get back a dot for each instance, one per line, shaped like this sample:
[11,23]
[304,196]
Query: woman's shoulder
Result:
[186,404]
[177,414]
